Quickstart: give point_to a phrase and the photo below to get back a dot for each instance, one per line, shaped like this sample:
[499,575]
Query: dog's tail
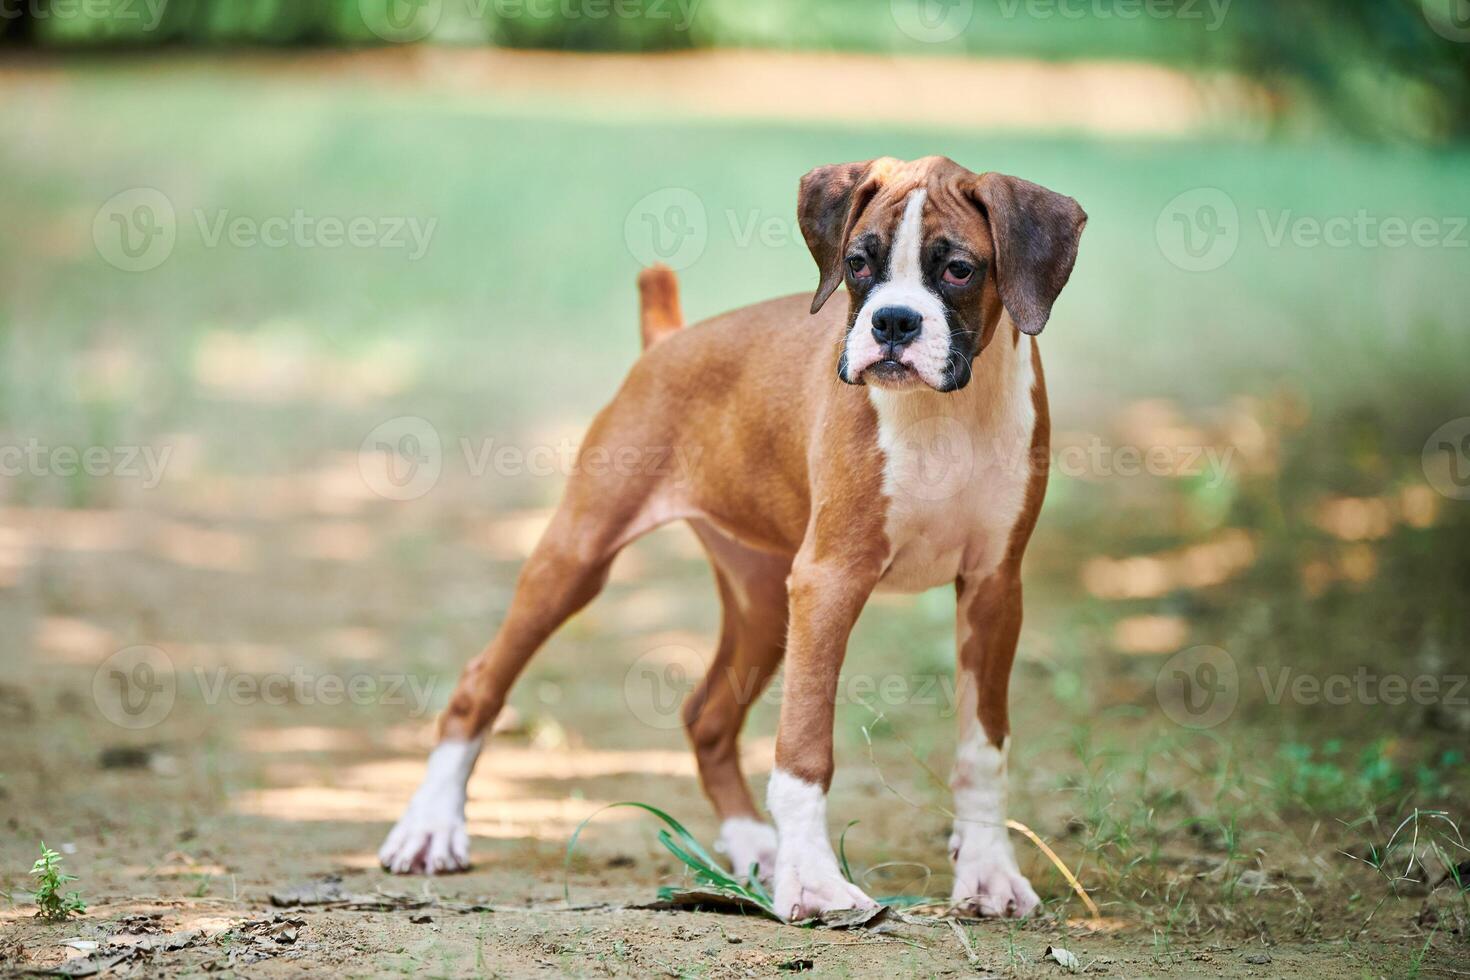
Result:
[658,296]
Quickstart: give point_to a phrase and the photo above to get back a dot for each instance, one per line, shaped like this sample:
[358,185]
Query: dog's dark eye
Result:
[858,266]
[958,273]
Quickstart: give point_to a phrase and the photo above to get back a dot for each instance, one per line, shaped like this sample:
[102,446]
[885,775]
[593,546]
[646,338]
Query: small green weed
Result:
[51,903]
[707,871]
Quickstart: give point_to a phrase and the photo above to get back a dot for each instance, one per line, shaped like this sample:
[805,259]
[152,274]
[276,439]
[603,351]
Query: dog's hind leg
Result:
[752,639]
[601,512]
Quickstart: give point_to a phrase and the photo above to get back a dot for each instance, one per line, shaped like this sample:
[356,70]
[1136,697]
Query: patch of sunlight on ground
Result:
[501,804]
[76,641]
[208,548]
[511,536]
[341,541]
[276,366]
[1150,634]
[70,530]
[1354,564]
[1213,562]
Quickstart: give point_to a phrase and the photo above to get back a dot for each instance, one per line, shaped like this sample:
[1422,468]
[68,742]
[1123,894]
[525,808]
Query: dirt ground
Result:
[181,832]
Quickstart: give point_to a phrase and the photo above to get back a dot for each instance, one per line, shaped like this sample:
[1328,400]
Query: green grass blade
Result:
[842,852]
[679,842]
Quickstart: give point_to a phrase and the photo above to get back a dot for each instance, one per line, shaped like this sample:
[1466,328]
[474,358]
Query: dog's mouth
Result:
[889,373]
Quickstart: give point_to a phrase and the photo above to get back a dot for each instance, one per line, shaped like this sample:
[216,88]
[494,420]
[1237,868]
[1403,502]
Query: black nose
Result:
[894,326]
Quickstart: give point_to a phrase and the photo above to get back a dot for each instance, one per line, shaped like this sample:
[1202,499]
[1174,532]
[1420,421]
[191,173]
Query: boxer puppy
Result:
[898,444]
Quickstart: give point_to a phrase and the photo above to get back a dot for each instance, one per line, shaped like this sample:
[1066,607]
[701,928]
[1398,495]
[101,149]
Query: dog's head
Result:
[932,256]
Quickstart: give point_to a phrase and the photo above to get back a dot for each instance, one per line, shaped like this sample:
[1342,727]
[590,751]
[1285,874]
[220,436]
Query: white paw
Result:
[425,842]
[986,880]
[809,884]
[748,842]
[807,880]
[431,838]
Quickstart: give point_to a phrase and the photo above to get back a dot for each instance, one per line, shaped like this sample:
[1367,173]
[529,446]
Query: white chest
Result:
[956,470]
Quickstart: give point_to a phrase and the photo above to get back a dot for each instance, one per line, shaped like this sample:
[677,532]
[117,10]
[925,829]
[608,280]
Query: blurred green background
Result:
[1247,283]
[1388,66]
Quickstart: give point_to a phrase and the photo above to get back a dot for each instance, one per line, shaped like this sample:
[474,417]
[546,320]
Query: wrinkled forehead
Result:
[948,212]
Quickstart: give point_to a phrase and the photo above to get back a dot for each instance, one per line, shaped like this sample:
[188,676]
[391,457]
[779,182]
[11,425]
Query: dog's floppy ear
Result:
[827,207]
[1036,232]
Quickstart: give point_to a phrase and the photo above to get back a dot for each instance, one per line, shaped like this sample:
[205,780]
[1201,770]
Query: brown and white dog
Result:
[812,429]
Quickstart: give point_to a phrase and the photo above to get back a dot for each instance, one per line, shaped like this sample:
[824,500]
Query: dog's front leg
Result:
[825,600]
[986,877]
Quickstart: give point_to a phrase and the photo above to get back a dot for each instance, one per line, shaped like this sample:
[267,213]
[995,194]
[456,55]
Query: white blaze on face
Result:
[904,286]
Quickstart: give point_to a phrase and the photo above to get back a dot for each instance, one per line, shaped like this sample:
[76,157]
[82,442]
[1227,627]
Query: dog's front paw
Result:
[987,882]
[749,842]
[808,885]
[999,893]
[429,839]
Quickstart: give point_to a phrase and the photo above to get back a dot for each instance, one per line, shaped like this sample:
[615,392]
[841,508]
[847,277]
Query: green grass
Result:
[705,870]
[529,253]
